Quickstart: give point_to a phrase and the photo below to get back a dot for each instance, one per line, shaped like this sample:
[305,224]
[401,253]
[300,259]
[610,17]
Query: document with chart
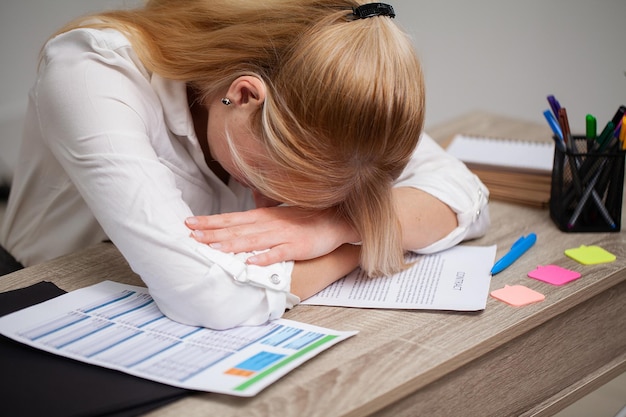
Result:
[454,279]
[119,326]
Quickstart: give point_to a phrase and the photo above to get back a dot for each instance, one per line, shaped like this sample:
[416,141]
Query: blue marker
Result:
[560,143]
[518,249]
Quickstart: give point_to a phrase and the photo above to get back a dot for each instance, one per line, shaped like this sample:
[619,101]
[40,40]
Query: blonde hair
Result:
[344,106]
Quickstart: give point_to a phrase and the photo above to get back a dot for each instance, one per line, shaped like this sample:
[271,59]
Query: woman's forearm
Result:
[424,219]
[311,276]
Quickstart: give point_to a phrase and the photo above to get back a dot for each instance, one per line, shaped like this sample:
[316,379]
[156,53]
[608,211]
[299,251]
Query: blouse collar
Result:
[173,97]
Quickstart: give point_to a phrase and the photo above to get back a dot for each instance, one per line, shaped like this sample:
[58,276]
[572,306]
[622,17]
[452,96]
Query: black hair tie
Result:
[373,9]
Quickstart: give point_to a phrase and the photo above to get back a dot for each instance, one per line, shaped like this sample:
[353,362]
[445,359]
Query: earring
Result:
[226,101]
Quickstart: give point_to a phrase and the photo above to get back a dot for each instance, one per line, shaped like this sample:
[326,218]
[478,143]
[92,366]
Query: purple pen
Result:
[554,105]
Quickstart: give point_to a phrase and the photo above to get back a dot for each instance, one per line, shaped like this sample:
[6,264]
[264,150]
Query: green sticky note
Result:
[590,255]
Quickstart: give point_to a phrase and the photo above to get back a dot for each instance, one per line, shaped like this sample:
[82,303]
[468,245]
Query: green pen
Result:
[590,123]
[605,136]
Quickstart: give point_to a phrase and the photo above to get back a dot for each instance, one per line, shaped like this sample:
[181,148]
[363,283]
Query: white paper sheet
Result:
[119,326]
[455,279]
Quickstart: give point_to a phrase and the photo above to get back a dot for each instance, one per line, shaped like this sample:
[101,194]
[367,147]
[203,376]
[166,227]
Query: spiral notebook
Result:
[515,155]
[513,170]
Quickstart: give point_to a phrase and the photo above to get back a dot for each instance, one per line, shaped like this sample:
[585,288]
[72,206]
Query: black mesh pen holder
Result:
[587,187]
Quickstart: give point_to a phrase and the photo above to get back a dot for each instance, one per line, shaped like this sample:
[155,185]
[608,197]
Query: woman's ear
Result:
[247,91]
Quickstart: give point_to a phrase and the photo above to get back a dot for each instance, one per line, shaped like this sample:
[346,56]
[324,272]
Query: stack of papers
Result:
[513,170]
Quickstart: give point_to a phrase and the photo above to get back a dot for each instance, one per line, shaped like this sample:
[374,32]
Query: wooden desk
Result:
[504,361]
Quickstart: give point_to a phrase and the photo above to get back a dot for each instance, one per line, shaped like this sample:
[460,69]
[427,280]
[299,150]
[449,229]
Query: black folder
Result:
[38,383]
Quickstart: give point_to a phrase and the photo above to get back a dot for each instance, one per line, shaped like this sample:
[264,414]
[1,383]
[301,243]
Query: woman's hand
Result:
[284,233]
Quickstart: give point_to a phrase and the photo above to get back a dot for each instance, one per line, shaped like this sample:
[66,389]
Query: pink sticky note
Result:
[553,274]
[517,295]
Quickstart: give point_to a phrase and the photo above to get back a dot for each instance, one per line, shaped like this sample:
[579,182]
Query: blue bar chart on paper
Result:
[120,327]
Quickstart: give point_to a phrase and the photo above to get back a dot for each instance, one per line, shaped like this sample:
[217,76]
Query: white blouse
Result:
[109,152]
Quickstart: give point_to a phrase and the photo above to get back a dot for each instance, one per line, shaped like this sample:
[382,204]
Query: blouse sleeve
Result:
[443,176]
[100,117]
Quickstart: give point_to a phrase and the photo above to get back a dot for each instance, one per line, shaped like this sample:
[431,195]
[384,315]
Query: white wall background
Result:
[24,27]
[503,56]
[506,56]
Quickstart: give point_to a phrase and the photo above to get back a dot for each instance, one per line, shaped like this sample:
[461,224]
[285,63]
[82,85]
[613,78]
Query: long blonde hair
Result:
[344,106]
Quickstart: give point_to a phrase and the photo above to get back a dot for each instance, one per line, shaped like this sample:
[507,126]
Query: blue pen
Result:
[556,129]
[518,249]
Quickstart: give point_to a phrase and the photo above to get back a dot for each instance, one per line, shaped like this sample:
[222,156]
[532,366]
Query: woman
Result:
[162,128]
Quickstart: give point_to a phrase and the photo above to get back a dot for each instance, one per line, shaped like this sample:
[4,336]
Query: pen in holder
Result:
[587,188]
